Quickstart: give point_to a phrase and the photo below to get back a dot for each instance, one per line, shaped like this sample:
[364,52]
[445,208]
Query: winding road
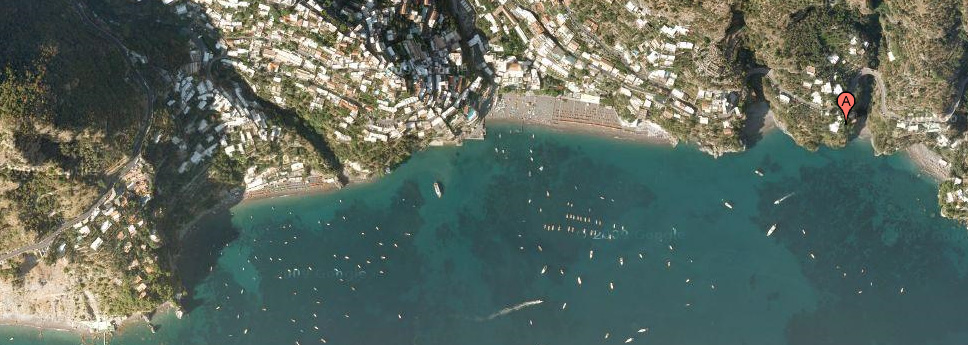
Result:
[136,149]
[766,71]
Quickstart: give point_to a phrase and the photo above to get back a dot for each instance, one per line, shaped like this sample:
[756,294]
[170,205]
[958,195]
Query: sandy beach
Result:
[82,328]
[289,189]
[241,197]
[654,138]
[928,161]
[565,114]
[36,322]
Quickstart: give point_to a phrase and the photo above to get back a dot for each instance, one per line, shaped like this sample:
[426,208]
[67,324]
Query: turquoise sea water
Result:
[390,263]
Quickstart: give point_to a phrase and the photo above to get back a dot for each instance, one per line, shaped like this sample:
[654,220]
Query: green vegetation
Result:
[814,33]
[953,210]
[513,46]
[149,28]
[552,86]
[43,214]
[928,42]
[323,121]
[887,138]
[68,113]
[71,109]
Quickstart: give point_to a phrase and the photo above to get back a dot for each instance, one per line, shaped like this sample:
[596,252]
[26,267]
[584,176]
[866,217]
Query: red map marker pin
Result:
[845,101]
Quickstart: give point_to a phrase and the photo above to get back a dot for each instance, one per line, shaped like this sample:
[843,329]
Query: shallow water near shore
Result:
[389,263]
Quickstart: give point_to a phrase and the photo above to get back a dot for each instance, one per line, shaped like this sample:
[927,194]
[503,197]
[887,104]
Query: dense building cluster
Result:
[379,71]
[549,47]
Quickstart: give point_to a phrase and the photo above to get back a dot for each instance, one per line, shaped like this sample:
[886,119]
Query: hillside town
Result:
[383,72]
[639,80]
[378,73]
[282,97]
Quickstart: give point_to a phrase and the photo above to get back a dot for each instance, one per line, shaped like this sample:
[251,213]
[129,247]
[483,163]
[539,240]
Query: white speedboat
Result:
[770,232]
[778,201]
[437,190]
[727,204]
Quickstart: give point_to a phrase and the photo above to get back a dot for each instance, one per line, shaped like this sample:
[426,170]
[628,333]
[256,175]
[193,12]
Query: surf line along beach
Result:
[575,116]
[565,115]
[550,112]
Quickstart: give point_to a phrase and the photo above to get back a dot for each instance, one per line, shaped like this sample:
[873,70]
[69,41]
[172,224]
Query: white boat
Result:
[770,232]
[437,190]
[778,201]
[758,172]
[728,205]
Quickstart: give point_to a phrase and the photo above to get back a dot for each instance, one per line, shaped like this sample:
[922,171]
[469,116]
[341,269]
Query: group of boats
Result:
[769,232]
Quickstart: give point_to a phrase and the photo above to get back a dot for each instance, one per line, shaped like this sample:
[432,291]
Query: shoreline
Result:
[656,136]
[653,138]
[325,189]
[928,162]
[314,185]
[227,202]
[82,328]
[302,191]
[919,155]
[40,324]
[240,197]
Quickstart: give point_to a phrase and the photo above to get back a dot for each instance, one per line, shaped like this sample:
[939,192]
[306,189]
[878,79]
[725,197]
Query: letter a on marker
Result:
[845,101]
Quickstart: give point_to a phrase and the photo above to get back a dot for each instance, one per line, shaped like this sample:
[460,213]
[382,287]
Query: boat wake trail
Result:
[778,201]
[511,309]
